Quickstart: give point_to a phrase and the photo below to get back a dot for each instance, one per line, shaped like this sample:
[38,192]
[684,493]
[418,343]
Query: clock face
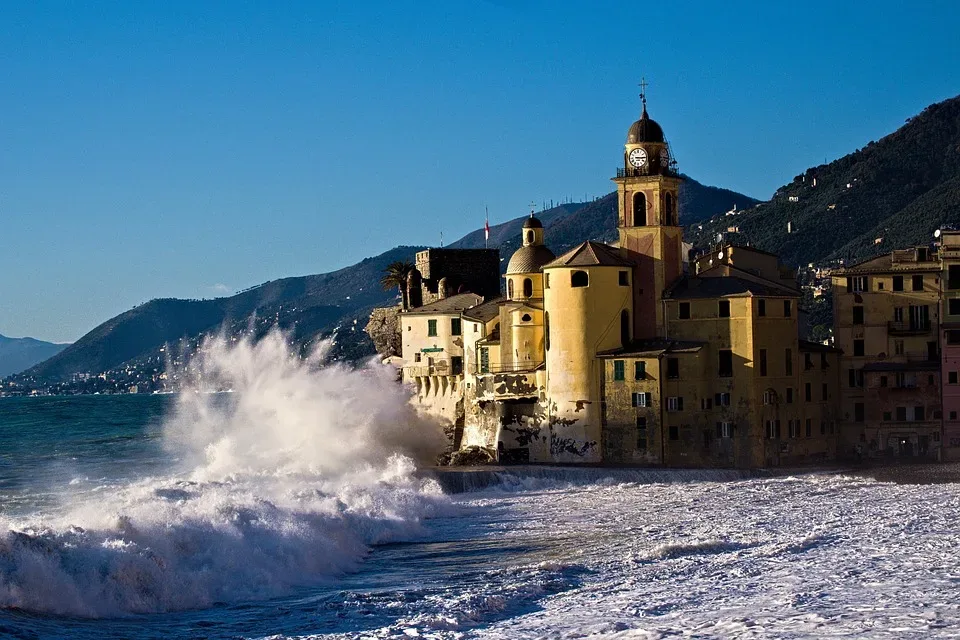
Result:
[664,157]
[638,158]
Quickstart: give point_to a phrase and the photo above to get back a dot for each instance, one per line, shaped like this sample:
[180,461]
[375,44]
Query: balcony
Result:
[630,172]
[438,368]
[909,328]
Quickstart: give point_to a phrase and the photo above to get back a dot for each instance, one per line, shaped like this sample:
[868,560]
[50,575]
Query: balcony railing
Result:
[517,367]
[909,327]
[439,368]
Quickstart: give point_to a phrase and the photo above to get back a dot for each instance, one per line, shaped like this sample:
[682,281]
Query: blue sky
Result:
[191,149]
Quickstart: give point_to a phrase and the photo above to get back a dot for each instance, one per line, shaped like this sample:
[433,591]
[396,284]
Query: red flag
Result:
[486,226]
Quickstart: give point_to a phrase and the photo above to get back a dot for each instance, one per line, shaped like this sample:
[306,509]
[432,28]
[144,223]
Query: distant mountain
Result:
[341,301]
[19,354]
[892,193]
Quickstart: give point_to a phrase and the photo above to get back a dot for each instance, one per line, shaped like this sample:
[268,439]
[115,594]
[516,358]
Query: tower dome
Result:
[533,254]
[644,130]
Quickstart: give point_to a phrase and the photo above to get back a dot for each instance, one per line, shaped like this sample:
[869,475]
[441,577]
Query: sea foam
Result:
[284,482]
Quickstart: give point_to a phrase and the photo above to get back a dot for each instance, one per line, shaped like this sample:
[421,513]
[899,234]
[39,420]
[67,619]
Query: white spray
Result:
[283,482]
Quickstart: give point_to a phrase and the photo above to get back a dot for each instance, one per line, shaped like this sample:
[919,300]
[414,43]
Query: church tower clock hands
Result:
[648,187]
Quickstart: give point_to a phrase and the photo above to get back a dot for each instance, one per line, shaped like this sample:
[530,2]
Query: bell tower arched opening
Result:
[639,209]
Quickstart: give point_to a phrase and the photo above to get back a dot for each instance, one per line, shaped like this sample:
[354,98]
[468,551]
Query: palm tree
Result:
[395,275]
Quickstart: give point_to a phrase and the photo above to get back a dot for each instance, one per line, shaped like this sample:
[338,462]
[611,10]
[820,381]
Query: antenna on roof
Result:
[643,92]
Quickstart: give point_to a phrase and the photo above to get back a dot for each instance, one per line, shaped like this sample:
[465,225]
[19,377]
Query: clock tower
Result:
[648,220]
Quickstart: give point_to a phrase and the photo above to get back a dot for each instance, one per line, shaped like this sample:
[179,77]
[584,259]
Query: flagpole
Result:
[486,227]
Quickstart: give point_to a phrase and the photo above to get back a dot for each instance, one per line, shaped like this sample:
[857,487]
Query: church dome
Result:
[532,223]
[529,259]
[644,130]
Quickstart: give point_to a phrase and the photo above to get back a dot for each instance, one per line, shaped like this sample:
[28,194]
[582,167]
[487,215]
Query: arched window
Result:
[579,279]
[530,237]
[668,201]
[510,288]
[639,209]
[546,330]
[625,328]
[527,288]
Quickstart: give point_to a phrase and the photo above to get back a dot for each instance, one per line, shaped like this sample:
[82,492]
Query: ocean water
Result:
[298,506]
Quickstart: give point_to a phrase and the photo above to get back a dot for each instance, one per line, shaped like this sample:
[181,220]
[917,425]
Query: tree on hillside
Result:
[395,275]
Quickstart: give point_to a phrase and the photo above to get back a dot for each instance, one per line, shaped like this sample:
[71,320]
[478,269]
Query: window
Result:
[726,363]
[921,255]
[789,395]
[683,311]
[675,403]
[808,392]
[787,308]
[546,281]
[807,362]
[722,399]
[510,289]
[857,284]
[823,362]
[879,285]
[706,404]
[673,368]
[858,314]
[953,276]
[674,432]
[858,347]
[952,377]
[641,433]
[546,330]
[918,283]
[640,400]
[579,279]
[639,370]
[824,390]
[887,416]
[953,336]
[901,414]
[431,328]
[953,306]
[527,288]
[456,326]
[918,414]
[618,370]
[418,357]
[898,283]
[898,347]
[526,317]
[723,308]
[624,279]
[883,381]
[763,362]
[669,218]
[770,432]
[761,308]
[793,428]
[809,428]
[855,378]
[484,360]
[639,209]
[456,365]
[724,430]
[823,427]
[858,412]
[769,396]
[898,314]
[788,361]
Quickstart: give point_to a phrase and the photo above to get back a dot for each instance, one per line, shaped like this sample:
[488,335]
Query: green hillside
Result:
[892,193]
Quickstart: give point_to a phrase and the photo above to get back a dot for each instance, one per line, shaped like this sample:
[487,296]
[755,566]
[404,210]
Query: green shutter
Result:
[618,370]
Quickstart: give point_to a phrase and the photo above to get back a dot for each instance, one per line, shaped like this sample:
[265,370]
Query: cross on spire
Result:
[533,207]
[643,92]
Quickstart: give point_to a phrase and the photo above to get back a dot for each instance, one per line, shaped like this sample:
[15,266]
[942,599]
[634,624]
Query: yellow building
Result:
[631,355]
[886,321]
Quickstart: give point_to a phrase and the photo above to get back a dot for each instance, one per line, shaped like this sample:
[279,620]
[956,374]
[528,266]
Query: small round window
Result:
[526,317]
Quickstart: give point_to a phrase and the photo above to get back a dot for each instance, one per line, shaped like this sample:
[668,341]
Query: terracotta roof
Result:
[486,311]
[884,263]
[653,347]
[453,304]
[529,259]
[724,287]
[590,254]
